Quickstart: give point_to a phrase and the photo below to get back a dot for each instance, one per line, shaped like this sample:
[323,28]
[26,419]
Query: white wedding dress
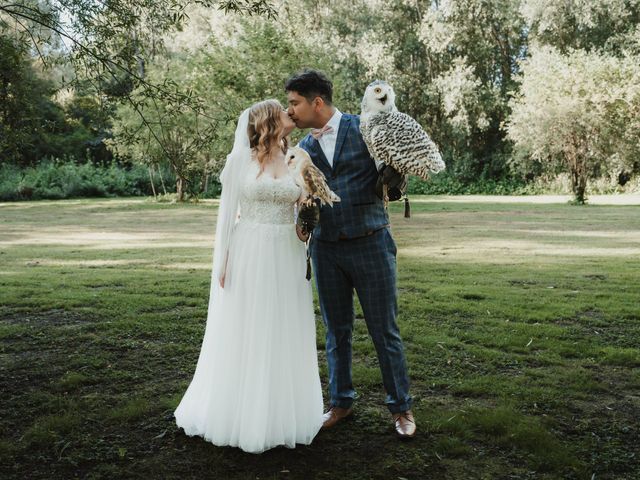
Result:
[256,383]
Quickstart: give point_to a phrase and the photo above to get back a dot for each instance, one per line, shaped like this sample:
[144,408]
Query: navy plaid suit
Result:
[352,248]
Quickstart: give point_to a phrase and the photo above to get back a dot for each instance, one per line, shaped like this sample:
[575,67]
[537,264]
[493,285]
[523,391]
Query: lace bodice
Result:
[266,199]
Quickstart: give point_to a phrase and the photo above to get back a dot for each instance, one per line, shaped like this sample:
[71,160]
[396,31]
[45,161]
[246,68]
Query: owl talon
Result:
[308,201]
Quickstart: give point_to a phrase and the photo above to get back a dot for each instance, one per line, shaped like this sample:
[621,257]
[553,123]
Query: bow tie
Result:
[317,133]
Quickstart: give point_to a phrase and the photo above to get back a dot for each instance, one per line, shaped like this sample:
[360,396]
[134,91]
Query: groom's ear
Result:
[318,103]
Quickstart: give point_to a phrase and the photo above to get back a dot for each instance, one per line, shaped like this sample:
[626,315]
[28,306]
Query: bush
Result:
[64,178]
[445,183]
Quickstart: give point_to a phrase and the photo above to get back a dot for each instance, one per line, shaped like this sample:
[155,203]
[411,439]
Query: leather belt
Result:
[367,234]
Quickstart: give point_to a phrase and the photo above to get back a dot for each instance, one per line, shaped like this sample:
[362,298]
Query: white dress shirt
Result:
[328,140]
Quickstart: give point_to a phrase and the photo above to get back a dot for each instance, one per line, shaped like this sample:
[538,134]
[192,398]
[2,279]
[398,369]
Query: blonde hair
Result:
[265,128]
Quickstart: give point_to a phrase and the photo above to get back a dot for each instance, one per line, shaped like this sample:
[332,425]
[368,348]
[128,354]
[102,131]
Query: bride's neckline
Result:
[265,174]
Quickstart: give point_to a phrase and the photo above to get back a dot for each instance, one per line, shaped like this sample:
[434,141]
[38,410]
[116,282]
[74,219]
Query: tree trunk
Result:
[205,187]
[180,183]
[578,169]
[579,184]
[164,189]
[153,187]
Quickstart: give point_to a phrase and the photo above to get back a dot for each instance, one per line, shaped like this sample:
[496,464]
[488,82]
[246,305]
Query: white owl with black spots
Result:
[394,137]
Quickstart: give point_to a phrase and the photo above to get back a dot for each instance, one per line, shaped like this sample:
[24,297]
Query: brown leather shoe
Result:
[405,424]
[334,415]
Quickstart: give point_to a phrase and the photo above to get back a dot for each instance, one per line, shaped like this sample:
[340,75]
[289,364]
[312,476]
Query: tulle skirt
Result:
[256,383]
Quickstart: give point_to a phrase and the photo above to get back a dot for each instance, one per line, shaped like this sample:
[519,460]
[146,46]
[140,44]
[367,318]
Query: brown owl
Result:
[309,177]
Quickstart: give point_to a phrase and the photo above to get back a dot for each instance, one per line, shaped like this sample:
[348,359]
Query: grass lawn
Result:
[520,316]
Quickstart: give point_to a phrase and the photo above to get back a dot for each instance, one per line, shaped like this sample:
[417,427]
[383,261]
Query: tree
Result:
[225,78]
[577,112]
[110,43]
[451,64]
[255,67]
[32,125]
[168,132]
[584,24]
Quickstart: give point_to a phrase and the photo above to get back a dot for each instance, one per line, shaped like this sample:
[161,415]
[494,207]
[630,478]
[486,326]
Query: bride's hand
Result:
[224,272]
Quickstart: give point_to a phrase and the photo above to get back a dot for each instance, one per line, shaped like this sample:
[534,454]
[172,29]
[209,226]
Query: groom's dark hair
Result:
[311,84]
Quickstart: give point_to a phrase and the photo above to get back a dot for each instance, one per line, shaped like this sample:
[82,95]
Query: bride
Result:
[256,383]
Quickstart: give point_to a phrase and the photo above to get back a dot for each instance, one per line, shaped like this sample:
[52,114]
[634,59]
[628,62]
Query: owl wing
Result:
[365,130]
[398,140]
[376,136]
[298,177]
[316,184]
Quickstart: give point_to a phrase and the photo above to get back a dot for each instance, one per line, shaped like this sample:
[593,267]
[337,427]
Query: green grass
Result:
[520,319]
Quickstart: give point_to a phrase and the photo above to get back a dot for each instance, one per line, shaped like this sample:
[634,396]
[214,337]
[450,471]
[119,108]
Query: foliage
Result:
[583,24]
[446,183]
[34,125]
[58,178]
[174,77]
[226,78]
[447,72]
[109,47]
[166,133]
[109,43]
[578,113]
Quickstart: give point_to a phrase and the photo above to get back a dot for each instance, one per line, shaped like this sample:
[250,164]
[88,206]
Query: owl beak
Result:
[383,100]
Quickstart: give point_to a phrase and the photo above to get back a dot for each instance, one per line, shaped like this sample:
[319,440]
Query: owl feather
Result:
[309,177]
[394,137]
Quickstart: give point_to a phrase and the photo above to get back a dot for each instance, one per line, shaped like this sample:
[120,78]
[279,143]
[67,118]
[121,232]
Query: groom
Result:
[351,248]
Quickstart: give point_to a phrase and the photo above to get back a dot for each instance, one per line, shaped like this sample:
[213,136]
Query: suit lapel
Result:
[343,129]
[317,149]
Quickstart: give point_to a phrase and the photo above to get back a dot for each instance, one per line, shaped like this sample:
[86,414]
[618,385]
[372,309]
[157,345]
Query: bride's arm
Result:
[226,257]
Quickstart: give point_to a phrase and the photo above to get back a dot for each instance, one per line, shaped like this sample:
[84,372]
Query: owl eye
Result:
[377,90]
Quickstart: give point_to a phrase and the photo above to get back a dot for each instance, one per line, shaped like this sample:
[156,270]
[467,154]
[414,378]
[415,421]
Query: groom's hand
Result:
[393,179]
[308,217]
[390,176]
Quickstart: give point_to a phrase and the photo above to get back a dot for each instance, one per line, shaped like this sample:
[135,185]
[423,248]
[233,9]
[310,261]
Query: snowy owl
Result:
[394,137]
[308,177]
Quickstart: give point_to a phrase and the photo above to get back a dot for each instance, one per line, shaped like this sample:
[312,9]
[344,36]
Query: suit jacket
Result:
[353,177]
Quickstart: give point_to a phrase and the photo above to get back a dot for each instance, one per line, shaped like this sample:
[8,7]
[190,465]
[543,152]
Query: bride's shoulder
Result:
[253,160]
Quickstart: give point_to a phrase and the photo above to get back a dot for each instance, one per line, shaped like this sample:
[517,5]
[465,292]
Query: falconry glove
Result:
[308,217]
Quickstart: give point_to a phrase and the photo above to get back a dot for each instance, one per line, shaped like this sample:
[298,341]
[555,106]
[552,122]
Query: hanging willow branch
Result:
[107,44]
